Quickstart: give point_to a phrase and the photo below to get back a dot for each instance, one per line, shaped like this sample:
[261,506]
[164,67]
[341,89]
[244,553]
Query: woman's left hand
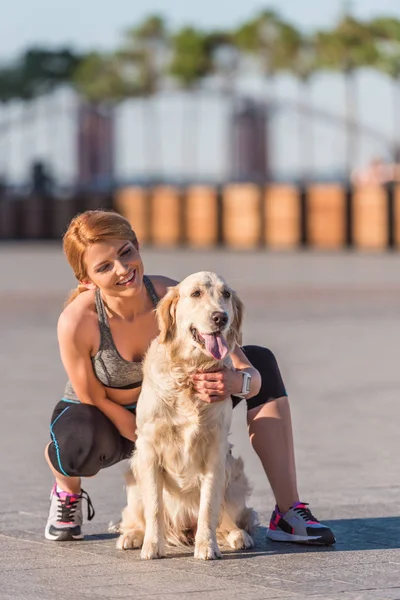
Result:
[214,387]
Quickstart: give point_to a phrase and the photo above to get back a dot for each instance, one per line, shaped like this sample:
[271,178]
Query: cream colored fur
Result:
[182,471]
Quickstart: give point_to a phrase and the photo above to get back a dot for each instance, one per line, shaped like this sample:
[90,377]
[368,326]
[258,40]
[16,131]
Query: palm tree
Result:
[345,48]
[189,64]
[102,78]
[275,44]
[145,52]
[261,37]
[303,64]
[386,34]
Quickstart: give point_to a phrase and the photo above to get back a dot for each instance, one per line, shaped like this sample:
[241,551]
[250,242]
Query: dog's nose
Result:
[220,318]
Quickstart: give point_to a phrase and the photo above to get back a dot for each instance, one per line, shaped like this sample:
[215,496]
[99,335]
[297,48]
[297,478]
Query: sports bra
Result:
[110,368]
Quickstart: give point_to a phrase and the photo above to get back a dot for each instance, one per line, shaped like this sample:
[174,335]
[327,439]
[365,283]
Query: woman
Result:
[103,334]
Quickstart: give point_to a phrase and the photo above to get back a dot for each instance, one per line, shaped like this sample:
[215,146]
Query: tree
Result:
[37,71]
[269,39]
[189,64]
[102,77]
[345,48]
[386,35]
[146,51]
[189,60]
[303,65]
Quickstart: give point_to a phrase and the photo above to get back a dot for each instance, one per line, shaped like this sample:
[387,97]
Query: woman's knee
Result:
[272,386]
[261,358]
[81,441]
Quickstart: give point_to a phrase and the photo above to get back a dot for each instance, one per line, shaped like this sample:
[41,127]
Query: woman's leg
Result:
[270,429]
[83,442]
[71,485]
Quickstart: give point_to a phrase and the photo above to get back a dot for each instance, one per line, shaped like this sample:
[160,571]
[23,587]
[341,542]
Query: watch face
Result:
[246,383]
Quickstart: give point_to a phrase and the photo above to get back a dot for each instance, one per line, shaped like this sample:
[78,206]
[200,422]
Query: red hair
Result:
[88,228]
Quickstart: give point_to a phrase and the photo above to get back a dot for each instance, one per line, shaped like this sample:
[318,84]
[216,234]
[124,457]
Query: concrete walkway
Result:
[334,323]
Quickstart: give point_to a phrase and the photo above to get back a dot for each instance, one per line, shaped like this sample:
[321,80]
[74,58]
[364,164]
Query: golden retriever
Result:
[182,469]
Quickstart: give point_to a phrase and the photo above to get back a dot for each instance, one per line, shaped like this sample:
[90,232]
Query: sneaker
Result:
[64,523]
[299,525]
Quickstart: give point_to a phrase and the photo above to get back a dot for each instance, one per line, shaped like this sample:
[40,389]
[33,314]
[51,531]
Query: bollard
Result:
[326,216]
[241,215]
[282,217]
[370,227]
[166,216]
[201,216]
[133,204]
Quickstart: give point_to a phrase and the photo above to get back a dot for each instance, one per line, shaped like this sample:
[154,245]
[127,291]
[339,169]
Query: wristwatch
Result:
[245,385]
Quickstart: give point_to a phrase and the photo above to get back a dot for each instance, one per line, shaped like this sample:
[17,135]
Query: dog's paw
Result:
[130,539]
[239,539]
[207,550]
[151,550]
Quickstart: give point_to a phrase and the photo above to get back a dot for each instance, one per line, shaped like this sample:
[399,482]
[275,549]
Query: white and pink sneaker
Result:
[64,523]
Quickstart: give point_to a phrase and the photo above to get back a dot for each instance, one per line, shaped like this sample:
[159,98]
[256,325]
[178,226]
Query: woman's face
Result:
[114,266]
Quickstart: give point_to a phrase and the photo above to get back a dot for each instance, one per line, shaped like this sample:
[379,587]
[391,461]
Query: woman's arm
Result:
[73,337]
[242,363]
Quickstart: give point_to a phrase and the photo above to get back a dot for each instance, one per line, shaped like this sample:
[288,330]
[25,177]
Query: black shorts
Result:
[84,440]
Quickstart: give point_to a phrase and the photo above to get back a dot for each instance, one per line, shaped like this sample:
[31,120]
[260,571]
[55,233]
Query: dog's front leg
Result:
[206,546]
[151,485]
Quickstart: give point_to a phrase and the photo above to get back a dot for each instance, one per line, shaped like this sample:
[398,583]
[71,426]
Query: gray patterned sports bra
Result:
[108,365]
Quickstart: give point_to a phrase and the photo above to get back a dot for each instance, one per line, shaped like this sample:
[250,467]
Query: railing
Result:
[243,216]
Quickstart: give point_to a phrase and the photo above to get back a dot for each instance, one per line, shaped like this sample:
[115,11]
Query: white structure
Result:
[179,136]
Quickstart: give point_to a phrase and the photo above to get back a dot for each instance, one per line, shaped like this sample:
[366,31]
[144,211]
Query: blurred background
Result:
[289,116]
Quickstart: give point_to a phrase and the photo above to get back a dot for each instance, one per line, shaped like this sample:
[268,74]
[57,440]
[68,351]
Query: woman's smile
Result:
[130,278]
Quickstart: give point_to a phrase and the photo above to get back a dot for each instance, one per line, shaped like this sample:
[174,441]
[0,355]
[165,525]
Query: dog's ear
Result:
[165,312]
[236,327]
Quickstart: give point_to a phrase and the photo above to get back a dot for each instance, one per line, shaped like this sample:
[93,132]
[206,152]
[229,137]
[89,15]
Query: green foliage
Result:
[152,27]
[190,57]
[272,40]
[348,46]
[144,51]
[102,77]
[149,52]
[38,70]
[386,34]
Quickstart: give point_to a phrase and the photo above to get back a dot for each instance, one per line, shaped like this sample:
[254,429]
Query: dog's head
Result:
[201,312]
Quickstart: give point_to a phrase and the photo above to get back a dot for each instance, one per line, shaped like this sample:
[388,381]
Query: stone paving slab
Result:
[334,323]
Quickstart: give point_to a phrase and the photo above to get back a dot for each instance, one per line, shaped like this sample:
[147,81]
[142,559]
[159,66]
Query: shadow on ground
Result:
[352,535]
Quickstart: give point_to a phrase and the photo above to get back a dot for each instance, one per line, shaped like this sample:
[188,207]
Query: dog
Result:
[183,473]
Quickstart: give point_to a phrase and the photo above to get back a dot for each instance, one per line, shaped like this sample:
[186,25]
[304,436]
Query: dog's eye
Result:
[196,294]
[226,294]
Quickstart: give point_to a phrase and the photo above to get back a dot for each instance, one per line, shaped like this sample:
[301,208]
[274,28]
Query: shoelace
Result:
[305,512]
[90,507]
[67,507]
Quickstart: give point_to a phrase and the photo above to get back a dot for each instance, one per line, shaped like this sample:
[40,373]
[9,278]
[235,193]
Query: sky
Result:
[89,24]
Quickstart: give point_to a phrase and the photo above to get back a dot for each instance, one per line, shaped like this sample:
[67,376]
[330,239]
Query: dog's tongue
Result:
[216,345]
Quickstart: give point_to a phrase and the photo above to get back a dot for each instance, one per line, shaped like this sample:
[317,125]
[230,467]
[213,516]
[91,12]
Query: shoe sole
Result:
[65,536]
[282,536]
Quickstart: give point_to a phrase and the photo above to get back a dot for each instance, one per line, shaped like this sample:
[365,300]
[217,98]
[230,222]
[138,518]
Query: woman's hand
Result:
[217,386]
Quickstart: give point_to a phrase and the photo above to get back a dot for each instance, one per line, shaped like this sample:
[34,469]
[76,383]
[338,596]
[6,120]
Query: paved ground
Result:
[334,324]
